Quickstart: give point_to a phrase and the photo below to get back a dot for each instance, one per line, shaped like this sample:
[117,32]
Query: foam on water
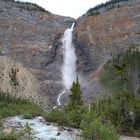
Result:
[43,131]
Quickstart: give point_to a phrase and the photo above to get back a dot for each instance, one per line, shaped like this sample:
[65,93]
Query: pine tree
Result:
[76,95]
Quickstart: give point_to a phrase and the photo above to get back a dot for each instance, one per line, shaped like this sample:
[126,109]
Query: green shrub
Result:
[27,116]
[56,115]
[66,116]
[94,129]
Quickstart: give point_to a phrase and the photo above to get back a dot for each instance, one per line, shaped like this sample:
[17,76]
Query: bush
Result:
[56,115]
[94,129]
[66,116]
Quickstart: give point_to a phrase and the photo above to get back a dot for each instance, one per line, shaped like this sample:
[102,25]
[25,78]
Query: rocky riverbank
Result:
[40,129]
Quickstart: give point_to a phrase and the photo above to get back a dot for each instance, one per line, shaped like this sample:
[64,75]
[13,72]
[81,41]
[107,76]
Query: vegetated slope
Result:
[122,73]
[115,113]
[121,79]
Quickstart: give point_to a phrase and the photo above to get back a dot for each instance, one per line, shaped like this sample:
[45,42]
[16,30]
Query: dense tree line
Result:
[28,6]
[121,78]
[123,71]
[95,10]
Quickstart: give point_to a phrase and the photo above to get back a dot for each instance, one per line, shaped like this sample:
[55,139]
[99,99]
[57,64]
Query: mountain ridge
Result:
[32,39]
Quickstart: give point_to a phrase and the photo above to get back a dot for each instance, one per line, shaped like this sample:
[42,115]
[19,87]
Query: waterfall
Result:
[69,66]
[69,62]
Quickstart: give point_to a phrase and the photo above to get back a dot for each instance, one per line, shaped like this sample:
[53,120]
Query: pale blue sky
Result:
[72,8]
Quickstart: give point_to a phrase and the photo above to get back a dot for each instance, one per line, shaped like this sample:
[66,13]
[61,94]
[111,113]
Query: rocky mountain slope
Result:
[102,33]
[30,41]
[98,37]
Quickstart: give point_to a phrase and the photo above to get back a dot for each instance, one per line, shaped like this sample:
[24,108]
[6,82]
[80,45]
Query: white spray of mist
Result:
[69,66]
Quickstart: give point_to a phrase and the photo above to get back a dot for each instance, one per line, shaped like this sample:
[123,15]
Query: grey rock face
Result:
[33,39]
[98,38]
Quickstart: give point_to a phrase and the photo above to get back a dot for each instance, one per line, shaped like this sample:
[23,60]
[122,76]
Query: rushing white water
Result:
[69,65]
[41,130]
[59,96]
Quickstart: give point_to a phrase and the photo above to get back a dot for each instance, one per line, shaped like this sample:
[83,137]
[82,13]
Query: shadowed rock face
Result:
[32,38]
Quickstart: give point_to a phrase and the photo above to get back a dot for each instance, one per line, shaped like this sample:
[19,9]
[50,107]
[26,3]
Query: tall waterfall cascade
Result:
[69,56]
[69,62]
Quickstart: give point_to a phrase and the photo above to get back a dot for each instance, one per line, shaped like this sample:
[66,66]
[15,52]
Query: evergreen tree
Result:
[120,67]
[76,95]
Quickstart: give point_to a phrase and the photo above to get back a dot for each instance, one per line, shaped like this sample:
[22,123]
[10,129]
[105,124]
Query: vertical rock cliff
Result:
[99,37]
[31,37]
